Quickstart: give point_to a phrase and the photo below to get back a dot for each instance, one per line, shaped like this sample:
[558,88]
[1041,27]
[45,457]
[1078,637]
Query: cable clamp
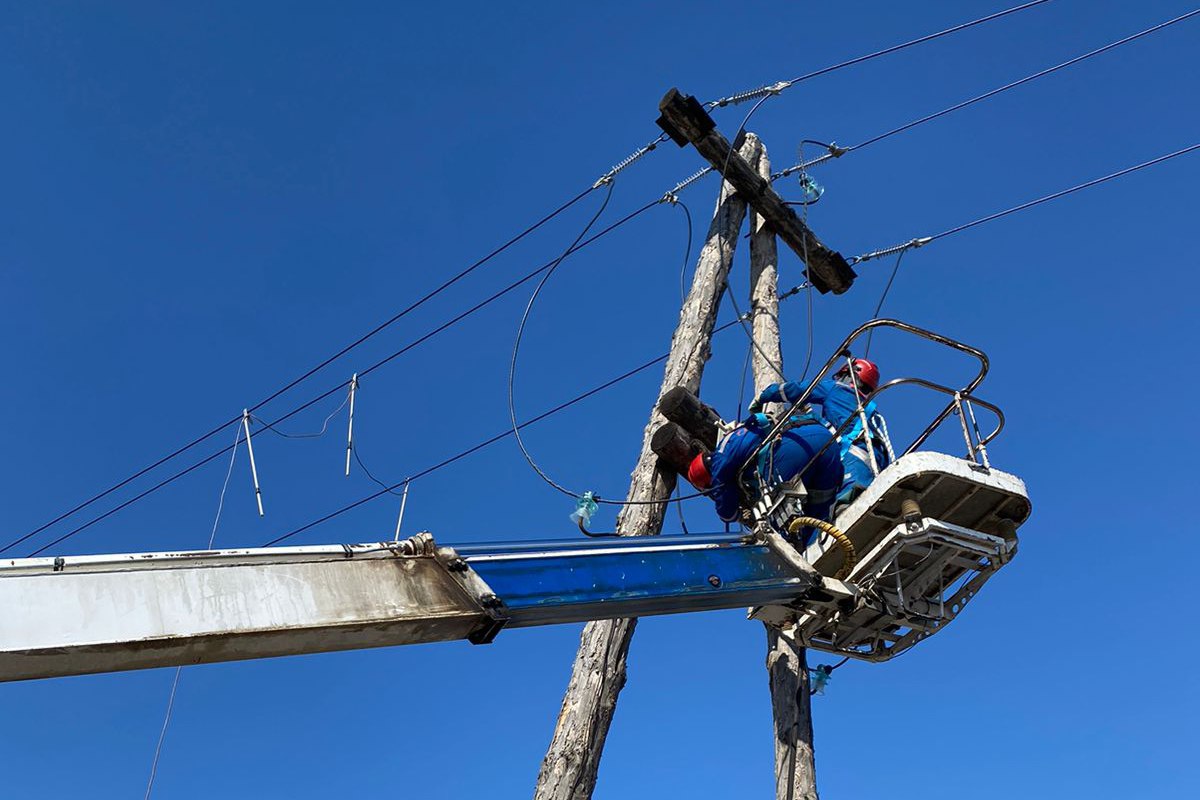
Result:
[795,290]
[670,197]
[741,97]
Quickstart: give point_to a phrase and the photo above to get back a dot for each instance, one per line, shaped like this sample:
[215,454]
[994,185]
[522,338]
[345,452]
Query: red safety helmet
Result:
[698,474]
[867,372]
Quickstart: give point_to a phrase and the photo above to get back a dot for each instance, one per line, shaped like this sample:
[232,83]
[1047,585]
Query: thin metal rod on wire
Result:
[350,427]
[400,518]
[253,466]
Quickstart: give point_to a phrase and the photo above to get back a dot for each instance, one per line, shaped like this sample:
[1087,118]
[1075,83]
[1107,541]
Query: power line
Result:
[475,448]
[362,373]
[776,88]
[1027,79]
[882,297]
[838,152]
[914,243]
[1063,193]
[920,40]
[309,373]
[512,366]
[635,156]
[618,379]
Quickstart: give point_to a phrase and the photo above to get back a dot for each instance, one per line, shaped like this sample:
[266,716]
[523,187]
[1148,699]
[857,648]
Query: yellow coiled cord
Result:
[849,558]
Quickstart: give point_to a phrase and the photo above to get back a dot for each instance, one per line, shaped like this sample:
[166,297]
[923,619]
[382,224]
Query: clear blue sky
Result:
[201,202]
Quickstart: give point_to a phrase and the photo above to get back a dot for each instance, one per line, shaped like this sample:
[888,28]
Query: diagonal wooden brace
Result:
[686,121]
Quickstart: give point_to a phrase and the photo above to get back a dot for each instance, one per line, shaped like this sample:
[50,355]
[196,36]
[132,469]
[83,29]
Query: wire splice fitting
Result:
[629,159]
[688,181]
[912,244]
[741,97]
[794,290]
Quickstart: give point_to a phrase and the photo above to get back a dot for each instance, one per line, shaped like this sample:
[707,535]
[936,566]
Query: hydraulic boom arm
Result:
[70,616]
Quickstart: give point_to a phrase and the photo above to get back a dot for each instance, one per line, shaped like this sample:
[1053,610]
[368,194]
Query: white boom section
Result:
[106,613]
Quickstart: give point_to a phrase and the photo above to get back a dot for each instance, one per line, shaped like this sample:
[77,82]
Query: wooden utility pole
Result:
[569,769]
[787,666]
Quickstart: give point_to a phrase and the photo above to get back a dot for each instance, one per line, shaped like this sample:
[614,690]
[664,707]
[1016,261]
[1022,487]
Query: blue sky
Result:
[202,202]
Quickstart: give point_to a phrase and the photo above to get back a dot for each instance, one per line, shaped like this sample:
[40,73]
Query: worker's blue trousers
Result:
[822,480]
[785,460]
[858,476]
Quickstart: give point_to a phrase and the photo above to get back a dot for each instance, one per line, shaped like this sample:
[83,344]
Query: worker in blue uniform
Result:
[839,400]
[727,472]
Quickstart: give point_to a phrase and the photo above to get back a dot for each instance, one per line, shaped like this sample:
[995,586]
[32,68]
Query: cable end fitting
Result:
[794,290]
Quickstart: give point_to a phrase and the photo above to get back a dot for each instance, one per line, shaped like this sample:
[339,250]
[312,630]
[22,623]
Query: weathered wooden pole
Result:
[569,769]
[787,667]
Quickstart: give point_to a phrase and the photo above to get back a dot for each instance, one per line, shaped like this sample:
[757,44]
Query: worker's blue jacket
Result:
[781,462]
[839,404]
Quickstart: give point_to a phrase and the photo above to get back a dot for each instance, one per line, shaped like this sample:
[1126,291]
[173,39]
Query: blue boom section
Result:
[545,583]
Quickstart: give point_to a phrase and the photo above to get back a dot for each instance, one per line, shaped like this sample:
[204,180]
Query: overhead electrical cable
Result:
[516,350]
[1063,193]
[924,240]
[838,152]
[340,386]
[731,323]
[512,371]
[492,440]
[635,156]
[776,88]
[309,373]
